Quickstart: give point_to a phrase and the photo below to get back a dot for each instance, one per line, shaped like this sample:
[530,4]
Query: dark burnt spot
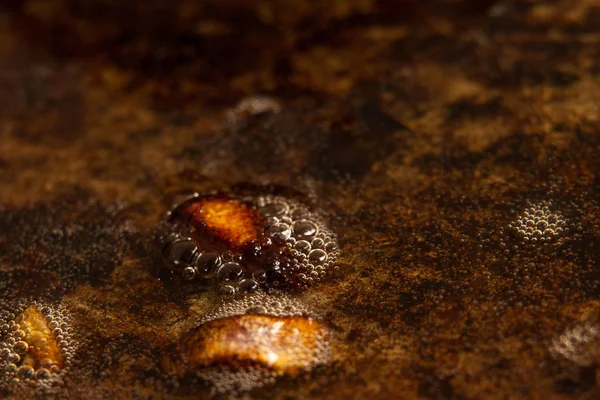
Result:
[528,73]
[45,101]
[581,380]
[354,334]
[473,109]
[454,158]
[358,139]
[263,147]
[436,388]
[517,150]
[378,121]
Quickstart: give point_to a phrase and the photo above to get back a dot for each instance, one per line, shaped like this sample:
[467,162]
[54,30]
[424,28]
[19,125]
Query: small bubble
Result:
[299,213]
[256,310]
[14,358]
[302,246]
[10,368]
[239,115]
[4,354]
[180,252]
[227,256]
[305,229]
[188,273]
[280,232]
[260,276]
[21,347]
[271,221]
[230,272]
[331,246]
[317,256]
[248,286]
[317,243]
[207,264]
[539,223]
[25,371]
[42,373]
[273,210]
[227,290]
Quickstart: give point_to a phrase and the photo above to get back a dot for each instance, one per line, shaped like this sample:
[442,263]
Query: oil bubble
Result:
[188,273]
[317,243]
[230,272]
[180,253]
[207,264]
[305,229]
[25,372]
[317,256]
[259,276]
[273,210]
[248,286]
[227,290]
[302,246]
[281,232]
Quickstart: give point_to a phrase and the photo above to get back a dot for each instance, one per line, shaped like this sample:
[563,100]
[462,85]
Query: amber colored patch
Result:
[43,349]
[229,220]
[284,345]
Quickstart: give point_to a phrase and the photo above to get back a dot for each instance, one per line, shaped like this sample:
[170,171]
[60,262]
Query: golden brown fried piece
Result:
[41,348]
[283,345]
[228,220]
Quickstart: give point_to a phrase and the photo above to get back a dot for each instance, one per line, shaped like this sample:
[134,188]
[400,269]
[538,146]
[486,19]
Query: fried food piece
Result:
[283,345]
[228,220]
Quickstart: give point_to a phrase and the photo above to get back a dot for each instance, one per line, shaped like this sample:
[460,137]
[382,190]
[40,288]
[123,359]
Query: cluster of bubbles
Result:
[234,382]
[539,223]
[311,243]
[36,346]
[224,268]
[59,243]
[232,379]
[306,249]
[274,303]
[578,345]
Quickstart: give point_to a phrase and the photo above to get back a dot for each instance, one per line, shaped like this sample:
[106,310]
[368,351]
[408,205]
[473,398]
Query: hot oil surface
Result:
[440,155]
